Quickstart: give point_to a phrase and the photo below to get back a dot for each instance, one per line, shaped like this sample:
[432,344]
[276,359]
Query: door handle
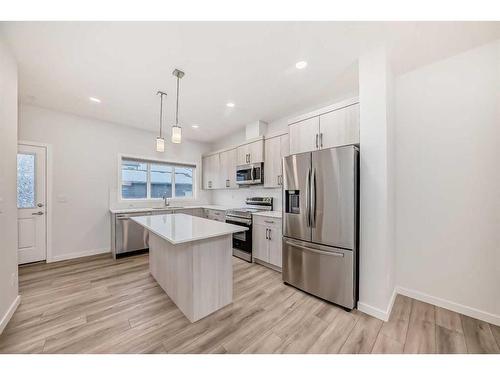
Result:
[317,135]
[308,201]
[39,205]
[37,213]
[332,253]
[313,198]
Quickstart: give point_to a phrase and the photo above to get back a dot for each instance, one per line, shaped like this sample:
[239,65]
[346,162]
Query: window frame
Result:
[150,161]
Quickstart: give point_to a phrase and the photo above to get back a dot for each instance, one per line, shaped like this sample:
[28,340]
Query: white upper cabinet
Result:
[211,172]
[219,168]
[228,169]
[251,153]
[304,135]
[336,125]
[339,128]
[276,149]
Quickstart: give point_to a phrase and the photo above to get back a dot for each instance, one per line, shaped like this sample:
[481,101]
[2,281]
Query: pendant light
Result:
[160,141]
[176,129]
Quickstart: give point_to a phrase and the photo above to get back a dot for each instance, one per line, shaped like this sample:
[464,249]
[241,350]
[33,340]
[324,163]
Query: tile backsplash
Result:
[237,197]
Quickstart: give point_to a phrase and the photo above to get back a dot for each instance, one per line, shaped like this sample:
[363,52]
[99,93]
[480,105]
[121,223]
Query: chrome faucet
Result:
[166,200]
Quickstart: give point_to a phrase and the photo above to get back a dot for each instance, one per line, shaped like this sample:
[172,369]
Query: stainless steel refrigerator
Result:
[320,223]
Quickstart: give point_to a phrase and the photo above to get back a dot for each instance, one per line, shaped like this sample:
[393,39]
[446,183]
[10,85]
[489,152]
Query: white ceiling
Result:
[62,64]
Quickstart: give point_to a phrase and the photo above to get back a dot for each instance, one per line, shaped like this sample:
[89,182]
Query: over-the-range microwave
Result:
[250,174]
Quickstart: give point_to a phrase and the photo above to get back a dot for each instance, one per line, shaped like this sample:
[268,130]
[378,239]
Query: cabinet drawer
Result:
[267,221]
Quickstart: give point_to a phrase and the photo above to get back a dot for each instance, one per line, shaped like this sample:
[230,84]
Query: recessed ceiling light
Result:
[230,105]
[195,126]
[95,100]
[301,64]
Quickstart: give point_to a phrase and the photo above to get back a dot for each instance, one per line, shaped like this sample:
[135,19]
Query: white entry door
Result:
[31,200]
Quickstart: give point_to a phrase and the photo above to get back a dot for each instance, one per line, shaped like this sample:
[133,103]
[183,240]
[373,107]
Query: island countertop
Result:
[182,228]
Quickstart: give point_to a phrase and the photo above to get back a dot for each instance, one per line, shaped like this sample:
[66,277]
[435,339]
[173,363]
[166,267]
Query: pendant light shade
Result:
[160,144]
[176,134]
[176,129]
[160,141]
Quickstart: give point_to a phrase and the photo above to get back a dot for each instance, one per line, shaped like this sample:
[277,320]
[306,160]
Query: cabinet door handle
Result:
[227,183]
[321,140]
[269,234]
[266,234]
[317,135]
[269,221]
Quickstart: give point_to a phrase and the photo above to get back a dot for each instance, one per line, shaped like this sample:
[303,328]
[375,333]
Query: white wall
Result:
[377,255]
[8,189]
[448,182]
[85,173]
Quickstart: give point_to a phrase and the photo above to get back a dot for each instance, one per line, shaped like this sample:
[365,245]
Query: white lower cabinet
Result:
[267,246]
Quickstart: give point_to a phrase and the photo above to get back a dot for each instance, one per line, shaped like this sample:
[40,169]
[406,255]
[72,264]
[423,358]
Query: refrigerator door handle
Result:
[313,198]
[308,198]
[332,253]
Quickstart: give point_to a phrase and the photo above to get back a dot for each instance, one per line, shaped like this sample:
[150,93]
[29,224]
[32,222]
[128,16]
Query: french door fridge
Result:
[320,226]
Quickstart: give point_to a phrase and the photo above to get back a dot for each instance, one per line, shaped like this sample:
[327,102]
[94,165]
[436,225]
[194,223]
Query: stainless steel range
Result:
[242,242]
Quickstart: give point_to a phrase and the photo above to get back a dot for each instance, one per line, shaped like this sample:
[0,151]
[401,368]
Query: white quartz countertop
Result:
[273,214]
[181,228]
[173,207]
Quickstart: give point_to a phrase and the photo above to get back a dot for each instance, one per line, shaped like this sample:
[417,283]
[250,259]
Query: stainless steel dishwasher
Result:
[130,236]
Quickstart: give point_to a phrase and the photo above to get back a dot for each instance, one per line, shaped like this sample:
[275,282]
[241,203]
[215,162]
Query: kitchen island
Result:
[191,259]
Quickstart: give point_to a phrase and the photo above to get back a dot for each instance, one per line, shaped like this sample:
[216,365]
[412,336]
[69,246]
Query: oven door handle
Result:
[238,220]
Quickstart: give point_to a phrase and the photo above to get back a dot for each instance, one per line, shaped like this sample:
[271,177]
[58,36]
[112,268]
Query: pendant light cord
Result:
[177,106]
[161,93]
[161,112]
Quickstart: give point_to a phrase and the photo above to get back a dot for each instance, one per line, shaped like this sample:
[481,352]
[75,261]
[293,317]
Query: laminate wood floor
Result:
[99,305]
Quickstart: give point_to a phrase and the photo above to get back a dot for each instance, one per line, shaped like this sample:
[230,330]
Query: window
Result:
[134,179]
[25,181]
[161,180]
[143,179]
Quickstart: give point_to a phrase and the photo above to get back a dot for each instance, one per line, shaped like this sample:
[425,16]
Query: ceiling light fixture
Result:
[195,126]
[301,64]
[95,100]
[176,129]
[160,141]
[230,105]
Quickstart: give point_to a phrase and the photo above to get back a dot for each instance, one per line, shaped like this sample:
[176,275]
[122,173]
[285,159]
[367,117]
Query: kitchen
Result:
[299,202]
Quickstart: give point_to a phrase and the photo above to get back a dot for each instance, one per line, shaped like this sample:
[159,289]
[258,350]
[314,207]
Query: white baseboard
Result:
[453,306]
[12,309]
[375,311]
[81,254]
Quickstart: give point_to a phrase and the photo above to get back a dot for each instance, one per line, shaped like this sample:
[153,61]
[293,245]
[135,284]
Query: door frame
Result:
[48,193]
